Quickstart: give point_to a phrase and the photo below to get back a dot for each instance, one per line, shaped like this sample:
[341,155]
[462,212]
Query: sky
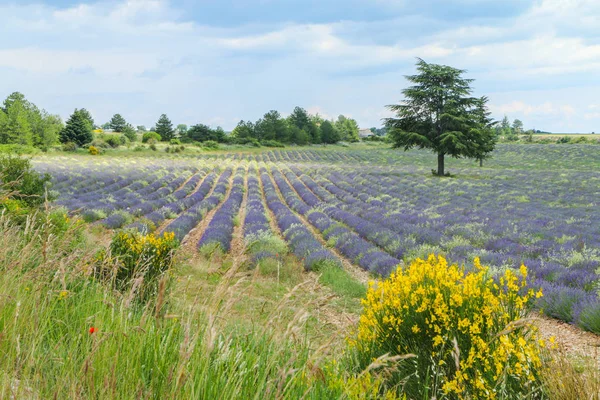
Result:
[220,61]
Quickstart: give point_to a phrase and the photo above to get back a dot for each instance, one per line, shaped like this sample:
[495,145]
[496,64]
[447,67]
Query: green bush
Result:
[153,147]
[20,182]
[113,141]
[151,136]
[19,149]
[100,144]
[246,141]
[564,140]
[211,145]
[69,146]
[175,141]
[139,148]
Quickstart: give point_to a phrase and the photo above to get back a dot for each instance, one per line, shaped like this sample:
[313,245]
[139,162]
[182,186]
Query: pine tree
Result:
[77,130]
[118,123]
[164,128]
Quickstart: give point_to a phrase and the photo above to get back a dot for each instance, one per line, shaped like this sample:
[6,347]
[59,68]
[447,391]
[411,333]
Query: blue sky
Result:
[217,62]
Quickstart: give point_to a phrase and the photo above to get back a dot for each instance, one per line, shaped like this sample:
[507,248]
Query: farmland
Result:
[367,209]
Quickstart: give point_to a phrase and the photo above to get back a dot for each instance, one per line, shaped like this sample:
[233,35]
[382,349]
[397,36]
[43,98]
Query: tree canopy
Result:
[164,128]
[440,114]
[347,128]
[77,130]
[117,123]
[202,133]
[22,122]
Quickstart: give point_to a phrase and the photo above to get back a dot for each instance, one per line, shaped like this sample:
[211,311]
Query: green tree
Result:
[347,128]
[504,127]
[482,131]
[77,129]
[202,133]
[517,127]
[117,123]
[88,117]
[329,134]
[271,127]
[141,128]
[15,97]
[181,129]
[105,126]
[164,128]
[49,130]
[299,136]
[437,114]
[299,118]
[16,127]
[130,133]
[244,130]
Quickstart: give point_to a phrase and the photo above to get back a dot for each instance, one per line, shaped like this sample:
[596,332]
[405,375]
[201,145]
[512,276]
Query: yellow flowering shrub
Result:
[133,255]
[467,330]
[93,150]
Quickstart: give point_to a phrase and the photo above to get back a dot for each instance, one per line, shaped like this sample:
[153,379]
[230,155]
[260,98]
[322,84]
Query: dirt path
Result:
[573,340]
[192,238]
[238,246]
[356,272]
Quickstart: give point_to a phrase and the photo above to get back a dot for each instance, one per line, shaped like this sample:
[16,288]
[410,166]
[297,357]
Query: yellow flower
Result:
[63,294]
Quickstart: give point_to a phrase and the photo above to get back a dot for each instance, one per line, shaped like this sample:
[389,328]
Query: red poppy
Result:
[92,330]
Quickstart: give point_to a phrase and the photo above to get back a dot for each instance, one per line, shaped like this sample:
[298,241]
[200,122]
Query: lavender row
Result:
[301,241]
[183,224]
[383,237]
[119,219]
[261,242]
[219,231]
[351,245]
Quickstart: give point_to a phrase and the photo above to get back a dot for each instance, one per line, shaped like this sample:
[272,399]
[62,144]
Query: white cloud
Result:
[150,51]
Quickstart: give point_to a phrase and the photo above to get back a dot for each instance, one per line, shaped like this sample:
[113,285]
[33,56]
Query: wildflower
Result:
[63,294]
[92,330]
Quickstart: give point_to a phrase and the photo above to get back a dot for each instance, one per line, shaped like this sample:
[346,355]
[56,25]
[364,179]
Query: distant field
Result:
[370,208]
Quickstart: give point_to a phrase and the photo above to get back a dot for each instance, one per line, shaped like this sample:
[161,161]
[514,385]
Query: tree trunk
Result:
[440,170]
[481,162]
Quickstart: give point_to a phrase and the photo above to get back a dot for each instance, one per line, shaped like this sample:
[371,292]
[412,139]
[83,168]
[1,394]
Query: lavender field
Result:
[370,207]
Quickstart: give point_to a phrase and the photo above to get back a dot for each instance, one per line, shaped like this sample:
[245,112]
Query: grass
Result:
[341,283]
[67,335]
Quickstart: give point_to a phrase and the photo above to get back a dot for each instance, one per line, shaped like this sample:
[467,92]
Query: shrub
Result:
[19,149]
[151,135]
[580,139]
[69,146]
[93,151]
[153,147]
[113,141]
[563,140]
[210,144]
[100,144]
[18,181]
[465,331]
[272,143]
[175,141]
[137,256]
[139,148]
[246,141]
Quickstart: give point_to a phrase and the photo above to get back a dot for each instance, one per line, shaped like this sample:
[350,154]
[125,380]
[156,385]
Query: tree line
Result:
[299,127]
[22,122]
